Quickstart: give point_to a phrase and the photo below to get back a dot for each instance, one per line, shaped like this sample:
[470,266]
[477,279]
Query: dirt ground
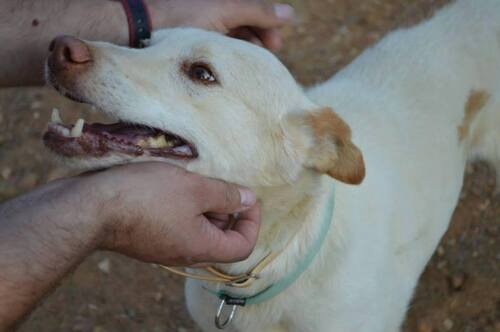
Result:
[459,291]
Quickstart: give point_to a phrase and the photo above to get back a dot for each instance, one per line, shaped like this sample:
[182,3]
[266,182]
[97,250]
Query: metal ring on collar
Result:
[219,322]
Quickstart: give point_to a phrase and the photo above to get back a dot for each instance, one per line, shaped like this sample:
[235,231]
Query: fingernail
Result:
[247,197]
[284,11]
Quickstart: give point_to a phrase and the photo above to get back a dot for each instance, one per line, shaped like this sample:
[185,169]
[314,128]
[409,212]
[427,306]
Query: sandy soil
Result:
[459,291]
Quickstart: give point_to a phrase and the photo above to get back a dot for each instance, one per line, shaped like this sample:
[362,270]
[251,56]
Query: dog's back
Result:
[421,103]
[433,87]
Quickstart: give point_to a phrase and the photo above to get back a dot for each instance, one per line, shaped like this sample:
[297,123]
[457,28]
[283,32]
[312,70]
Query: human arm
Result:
[153,212]
[28,26]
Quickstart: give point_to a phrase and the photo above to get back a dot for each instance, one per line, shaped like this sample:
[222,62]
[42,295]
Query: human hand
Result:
[154,212]
[160,213]
[254,20]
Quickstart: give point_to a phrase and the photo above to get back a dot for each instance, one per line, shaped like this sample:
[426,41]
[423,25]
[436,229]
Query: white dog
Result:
[420,104]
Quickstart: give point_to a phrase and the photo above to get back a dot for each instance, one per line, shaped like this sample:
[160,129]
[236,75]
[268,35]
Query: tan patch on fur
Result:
[334,153]
[475,103]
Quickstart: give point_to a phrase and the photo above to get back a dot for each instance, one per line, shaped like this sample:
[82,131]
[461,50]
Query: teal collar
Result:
[290,278]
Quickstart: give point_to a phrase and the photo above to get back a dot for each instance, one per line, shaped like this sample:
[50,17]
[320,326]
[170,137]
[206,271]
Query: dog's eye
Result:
[201,72]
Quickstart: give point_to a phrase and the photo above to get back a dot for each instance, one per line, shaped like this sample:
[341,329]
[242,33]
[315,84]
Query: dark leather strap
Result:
[139,22]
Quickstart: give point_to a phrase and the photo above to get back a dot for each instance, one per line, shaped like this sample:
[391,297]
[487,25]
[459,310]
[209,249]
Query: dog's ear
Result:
[330,149]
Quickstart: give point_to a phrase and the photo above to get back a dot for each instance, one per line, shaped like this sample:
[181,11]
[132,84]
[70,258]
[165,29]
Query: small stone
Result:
[130,313]
[104,265]
[92,307]
[440,251]
[483,206]
[448,324]
[98,329]
[441,265]
[425,326]
[158,297]
[457,281]
[6,173]
[475,254]
[36,105]
[36,115]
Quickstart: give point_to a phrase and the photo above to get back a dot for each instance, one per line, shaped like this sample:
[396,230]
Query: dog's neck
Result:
[287,211]
[284,209]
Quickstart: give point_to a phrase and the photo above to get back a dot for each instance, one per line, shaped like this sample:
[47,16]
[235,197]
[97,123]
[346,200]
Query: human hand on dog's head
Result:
[254,20]
[163,214]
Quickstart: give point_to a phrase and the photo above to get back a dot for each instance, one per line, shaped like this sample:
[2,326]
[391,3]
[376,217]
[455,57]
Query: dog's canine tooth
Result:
[56,117]
[77,128]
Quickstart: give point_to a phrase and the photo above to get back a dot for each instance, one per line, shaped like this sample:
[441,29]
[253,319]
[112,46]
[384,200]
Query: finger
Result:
[246,33]
[222,225]
[235,244]
[226,198]
[270,38]
[256,14]
[218,217]
[221,221]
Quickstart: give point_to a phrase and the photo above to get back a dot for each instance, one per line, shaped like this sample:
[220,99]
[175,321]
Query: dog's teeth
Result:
[158,142]
[56,118]
[142,143]
[162,141]
[77,128]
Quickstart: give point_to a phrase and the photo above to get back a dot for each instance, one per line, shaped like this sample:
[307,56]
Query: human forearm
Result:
[153,212]
[43,236]
[28,26]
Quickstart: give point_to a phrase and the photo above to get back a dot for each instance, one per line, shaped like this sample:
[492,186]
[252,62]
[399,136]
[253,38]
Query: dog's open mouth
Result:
[98,140]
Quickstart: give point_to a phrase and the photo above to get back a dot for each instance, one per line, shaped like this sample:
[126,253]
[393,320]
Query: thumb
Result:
[256,13]
[226,198]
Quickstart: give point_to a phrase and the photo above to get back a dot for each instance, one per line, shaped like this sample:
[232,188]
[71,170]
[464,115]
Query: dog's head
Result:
[217,106]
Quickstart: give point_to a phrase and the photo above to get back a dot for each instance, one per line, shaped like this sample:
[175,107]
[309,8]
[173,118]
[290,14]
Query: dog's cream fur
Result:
[420,104]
